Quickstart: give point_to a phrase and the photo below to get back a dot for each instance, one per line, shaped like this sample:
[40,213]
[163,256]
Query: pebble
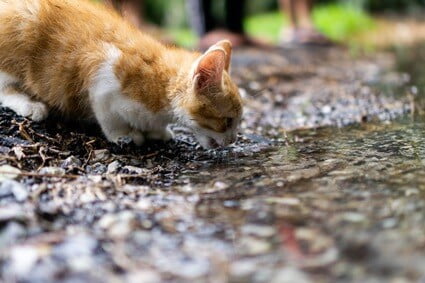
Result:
[353,217]
[260,231]
[253,246]
[242,269]
[12,232]
[57,171]
[11,187]
[24,258]
[71,163]
[143,276]
[88,196]
[291,275]
[100,155]
[284,201]
[96,168]
[113,167]
[8,172]
[118,226]
[12,212]
[76,246]
[133,170]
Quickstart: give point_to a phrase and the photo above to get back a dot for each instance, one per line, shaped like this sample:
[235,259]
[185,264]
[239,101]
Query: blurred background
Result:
[359,23]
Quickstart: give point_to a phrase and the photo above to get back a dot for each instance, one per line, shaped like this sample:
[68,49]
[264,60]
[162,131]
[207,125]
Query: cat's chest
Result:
[108,101]
[138,115]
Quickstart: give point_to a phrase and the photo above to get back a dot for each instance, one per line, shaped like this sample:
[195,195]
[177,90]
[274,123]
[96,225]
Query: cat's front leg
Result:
[115,128]
[11,97]
[164,134]
[116,134]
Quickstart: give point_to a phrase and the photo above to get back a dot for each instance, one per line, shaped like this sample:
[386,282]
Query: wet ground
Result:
[292,201]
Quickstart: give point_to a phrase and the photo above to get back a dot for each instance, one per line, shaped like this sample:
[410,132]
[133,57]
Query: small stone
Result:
[143,276]
[133,170]
[113,167]
[24,258]
[284,201]
[96,168]
[253,246]
[144,204]
[8,172]
[389,223]
[254,85]
[12,212]
[353,217]
[71,163]
[11,233]
[88,197]
[243,269]
[221,185]
[118,226]
[290,275]
[57,171]
[81,263]
[106,221]
[326,109]
[258,231]
[19,153]
[100,155]
[12,187]
[76,246]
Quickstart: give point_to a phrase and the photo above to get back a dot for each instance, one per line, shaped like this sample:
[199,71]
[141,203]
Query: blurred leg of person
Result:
[209,31]
[235,12]
[301,27]
[201,17]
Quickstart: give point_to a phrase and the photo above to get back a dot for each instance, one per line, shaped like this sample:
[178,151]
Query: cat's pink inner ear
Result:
[209,72]
[226,45]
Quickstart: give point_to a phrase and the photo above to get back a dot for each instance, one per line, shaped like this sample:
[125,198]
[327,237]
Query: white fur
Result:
[20,102]
[28,9]
[118,115]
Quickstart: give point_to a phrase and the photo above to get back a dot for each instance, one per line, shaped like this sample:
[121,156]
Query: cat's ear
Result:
[208,70]
[226,45]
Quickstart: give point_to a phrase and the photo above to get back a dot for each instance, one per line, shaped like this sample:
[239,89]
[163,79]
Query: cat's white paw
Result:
[134,136]
[164,135]
[137,137]
[36,111]
[39,112]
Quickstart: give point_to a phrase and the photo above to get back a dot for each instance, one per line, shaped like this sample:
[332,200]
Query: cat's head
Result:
[214,108]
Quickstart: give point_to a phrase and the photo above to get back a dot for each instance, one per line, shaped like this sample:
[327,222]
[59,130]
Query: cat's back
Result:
[54,46]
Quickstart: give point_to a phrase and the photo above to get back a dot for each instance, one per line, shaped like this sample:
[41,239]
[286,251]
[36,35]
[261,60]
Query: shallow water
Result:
[357,194]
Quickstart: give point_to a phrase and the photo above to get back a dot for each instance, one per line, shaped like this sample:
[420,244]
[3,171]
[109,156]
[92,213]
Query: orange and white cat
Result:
[85,61]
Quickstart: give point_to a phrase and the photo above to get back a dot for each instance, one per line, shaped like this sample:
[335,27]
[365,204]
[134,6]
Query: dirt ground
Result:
[290,202]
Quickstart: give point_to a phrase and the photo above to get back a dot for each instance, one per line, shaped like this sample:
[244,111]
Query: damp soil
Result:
[326,183]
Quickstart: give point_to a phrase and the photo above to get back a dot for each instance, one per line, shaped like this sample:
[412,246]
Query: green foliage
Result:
[339,22]
[267,26]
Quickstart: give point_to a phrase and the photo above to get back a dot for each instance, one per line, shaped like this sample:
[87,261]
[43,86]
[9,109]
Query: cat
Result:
[84,61]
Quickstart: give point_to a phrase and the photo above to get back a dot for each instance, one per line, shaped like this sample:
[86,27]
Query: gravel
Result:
[290,202]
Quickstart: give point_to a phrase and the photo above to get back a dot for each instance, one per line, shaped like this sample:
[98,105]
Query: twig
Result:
[29,174]
[89,145]
[43,157]
[23,132]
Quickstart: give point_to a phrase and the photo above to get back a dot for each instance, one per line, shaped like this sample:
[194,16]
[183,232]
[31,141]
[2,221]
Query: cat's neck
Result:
[155,76]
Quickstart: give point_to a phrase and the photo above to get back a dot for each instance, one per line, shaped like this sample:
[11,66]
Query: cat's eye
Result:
[229,122]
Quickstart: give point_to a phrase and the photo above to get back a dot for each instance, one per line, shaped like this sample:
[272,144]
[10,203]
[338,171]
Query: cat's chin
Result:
[208,143]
